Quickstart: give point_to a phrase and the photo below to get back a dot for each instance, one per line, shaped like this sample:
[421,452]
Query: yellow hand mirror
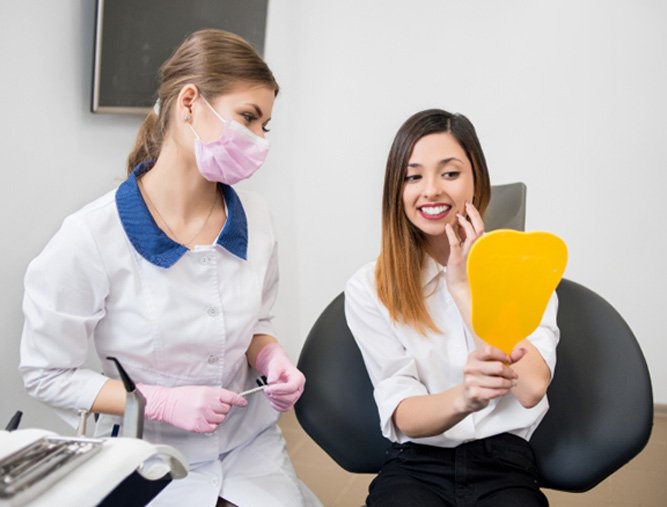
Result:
[512,276]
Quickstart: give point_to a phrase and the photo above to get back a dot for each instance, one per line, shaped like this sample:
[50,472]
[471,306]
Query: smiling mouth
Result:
[434,212]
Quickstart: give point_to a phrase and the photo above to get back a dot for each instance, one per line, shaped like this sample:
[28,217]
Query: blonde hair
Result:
[402,255]
[214,61]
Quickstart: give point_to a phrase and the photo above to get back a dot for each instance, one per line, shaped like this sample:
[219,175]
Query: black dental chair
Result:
[601,398]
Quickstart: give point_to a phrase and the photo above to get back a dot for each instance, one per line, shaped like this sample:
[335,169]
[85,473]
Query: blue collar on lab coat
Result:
[158,248]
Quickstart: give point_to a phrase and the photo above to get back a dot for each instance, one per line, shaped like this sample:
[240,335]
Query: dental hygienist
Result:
[175,273]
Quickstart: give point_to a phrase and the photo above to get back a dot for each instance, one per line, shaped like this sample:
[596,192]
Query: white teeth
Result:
[434,210]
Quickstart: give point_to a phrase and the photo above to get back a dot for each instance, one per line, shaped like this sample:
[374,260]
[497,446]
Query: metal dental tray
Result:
[29,471]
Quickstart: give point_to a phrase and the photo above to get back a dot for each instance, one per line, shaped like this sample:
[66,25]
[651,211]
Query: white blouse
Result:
[171,316]
[402,363]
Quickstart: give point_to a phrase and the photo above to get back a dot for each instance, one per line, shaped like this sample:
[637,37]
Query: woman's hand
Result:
[200,409]
[469,229]
[487,375]
[460,244]
[285,381]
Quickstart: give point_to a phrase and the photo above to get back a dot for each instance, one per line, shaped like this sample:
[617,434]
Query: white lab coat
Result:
[171,316]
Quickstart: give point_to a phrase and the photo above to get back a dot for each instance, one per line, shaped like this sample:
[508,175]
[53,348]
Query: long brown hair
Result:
[402,255]
[214,61]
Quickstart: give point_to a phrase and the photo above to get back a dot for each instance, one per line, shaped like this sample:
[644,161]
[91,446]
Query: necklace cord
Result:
[169,229]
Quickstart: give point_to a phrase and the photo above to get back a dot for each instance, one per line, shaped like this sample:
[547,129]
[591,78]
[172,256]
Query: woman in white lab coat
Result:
[175,273]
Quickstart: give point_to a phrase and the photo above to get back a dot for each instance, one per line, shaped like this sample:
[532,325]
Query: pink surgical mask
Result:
[234,156]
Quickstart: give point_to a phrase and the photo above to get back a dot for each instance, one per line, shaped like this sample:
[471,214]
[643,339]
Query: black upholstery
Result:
[337,408]
[601,400]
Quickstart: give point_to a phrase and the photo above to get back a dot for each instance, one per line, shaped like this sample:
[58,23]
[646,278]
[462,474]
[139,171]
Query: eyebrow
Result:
[443,162]
[257,109]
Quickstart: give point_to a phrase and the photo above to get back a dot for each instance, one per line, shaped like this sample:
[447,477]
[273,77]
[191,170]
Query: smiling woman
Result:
[438,184]
[459,412]
[432,150]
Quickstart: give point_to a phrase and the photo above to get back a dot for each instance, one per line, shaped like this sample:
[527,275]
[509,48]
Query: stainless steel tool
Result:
[135,403]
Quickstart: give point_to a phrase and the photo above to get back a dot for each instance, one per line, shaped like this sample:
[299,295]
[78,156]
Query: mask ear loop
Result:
[217,115]
[194,131]
[188,117]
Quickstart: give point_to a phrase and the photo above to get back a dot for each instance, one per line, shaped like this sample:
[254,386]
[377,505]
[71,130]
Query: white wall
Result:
[566,96]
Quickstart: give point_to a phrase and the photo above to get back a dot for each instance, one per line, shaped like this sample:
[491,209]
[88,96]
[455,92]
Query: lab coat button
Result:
[212,311]
[214,482]
[203,261]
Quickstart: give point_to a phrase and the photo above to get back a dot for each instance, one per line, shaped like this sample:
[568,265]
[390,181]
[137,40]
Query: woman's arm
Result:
[533,373]
[486,376]
[393,371]
[65,290]
[259,341]
[110,399]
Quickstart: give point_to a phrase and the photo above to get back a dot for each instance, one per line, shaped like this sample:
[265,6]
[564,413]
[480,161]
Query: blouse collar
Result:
[432,270]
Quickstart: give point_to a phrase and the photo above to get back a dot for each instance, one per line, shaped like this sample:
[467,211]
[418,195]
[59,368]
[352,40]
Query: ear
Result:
[185,102]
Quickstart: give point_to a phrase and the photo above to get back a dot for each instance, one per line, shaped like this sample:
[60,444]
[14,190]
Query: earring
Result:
[187,118]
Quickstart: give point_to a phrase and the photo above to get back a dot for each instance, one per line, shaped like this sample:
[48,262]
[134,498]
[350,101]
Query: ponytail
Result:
[148,143]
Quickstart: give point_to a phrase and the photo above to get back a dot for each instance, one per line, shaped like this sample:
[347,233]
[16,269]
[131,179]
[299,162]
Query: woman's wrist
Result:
[461,405]
[459,289]
[259,341]
[463,301]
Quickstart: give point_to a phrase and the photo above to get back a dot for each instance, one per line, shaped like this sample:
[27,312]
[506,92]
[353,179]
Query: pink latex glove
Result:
[284,380]
[200,409]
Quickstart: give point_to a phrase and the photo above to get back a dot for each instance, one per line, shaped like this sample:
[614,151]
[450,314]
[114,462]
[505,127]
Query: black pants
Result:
[493,472]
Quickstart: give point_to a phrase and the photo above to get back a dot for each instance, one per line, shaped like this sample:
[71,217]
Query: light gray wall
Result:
[566,96]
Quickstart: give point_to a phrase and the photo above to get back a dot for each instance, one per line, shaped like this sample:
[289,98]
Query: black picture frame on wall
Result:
[134,37]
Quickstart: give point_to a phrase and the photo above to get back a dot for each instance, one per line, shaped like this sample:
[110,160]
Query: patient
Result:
[458,411]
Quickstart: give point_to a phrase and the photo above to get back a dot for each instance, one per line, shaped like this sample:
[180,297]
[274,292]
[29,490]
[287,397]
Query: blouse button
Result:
[203,261]
[212,359]
[212,311]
